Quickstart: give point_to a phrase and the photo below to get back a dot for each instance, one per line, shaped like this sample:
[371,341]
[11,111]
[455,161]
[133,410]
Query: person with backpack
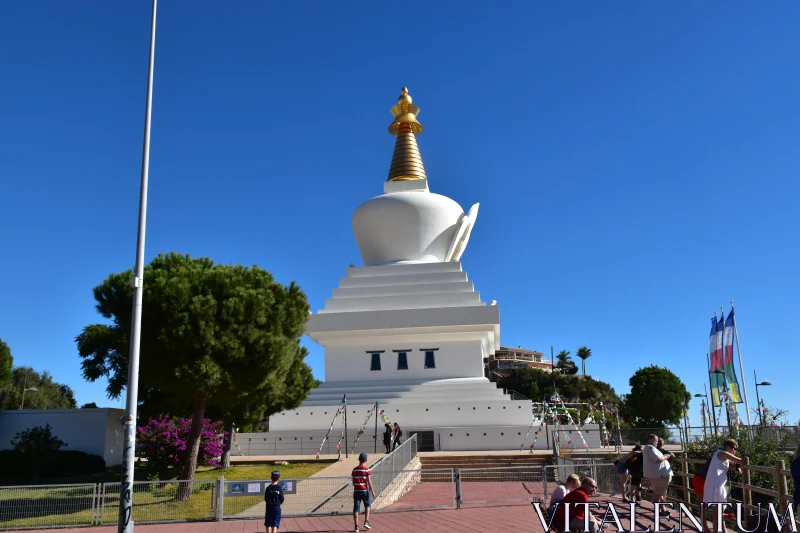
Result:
[635,464]
[397,434]
[622,470]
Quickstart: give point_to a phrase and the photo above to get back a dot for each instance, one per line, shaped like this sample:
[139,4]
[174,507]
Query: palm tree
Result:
[584,353]
[564,361]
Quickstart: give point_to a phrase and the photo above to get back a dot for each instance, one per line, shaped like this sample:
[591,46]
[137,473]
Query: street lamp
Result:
[26,389]
[703,411]
[764,383]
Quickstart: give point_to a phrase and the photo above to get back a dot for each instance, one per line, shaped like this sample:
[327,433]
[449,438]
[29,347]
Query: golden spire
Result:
[406,161]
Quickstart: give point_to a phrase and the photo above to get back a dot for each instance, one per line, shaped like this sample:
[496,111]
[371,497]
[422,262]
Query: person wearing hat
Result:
[273,497]
[362,487]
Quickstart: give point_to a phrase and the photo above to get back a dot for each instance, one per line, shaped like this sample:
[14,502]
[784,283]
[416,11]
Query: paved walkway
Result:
[485,518]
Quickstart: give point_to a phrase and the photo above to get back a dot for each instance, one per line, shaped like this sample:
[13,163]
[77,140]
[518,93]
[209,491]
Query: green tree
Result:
[565,363]
[49,394]
[91,405]
[656,399]
[37,445]
[584,353]
[217,340]
[6,364]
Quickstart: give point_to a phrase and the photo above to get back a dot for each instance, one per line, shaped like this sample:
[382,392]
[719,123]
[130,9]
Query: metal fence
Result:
[433,488]
[500,484]
[161,501]
[36,506]
[410,488]
[385,470]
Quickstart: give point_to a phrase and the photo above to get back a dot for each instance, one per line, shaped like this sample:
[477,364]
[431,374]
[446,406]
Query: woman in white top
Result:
[715,490]
[572,483]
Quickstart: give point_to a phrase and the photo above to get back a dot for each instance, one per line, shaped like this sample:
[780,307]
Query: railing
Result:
[385,470]
[681,488]
[515,395]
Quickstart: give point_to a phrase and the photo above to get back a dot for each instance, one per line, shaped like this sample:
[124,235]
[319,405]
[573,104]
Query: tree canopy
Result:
[216,340]
[49,394]
[6,364]
[539,385]
[657,398]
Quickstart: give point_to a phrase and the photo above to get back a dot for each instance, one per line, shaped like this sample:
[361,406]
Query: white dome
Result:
[406,227]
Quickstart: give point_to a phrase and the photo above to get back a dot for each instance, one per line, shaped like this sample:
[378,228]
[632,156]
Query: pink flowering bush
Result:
[163,441]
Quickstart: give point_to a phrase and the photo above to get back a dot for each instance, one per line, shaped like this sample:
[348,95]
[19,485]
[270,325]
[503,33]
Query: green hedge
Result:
[23,468]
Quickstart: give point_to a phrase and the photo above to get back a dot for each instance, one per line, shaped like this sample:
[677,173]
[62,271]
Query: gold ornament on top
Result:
[406,160]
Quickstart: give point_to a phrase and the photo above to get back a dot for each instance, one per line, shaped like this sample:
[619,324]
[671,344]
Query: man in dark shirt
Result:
[577,511]
[273,497]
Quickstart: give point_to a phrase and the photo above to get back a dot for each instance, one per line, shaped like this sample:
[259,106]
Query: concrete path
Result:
[319,493]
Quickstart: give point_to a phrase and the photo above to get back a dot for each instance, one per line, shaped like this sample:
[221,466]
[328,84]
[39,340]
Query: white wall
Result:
[461,359]
[485,438]
[95,431]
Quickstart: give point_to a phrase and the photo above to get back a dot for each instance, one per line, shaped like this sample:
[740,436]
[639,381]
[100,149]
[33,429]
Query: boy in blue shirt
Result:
[273,496]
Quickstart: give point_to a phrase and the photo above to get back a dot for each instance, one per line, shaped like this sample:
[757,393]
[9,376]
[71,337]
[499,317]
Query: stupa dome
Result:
[408,223]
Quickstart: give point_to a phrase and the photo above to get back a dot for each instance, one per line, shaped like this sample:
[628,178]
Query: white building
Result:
[408,329]
[94,431]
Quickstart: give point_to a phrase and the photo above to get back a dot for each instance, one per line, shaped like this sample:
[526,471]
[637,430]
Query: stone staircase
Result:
[478,460]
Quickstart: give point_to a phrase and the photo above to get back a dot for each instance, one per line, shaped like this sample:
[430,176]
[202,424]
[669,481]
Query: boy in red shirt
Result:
[362,486]
[577,513]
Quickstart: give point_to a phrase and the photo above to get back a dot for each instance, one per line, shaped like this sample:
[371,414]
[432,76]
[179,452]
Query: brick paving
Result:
[471,519]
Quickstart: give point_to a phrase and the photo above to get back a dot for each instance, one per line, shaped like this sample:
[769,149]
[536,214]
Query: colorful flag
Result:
[717,380]
[727,361]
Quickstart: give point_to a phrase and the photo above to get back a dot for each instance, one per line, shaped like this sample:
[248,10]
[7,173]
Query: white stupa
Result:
[408,329]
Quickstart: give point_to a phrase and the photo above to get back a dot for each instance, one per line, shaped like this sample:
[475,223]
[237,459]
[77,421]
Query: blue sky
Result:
[636,163]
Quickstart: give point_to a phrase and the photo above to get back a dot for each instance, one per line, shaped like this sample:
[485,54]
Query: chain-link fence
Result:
[36,506]
[161,501]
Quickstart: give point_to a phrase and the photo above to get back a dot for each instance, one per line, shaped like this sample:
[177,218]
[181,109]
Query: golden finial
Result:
[406,160]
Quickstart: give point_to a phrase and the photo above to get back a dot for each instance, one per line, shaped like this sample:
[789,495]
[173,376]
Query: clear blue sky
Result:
[637,163]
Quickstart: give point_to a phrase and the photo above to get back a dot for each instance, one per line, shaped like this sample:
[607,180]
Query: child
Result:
[362,480]
[274,498]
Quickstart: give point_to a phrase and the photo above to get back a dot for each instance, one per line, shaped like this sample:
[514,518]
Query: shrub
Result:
[37,440]
[20,467]
[163,441]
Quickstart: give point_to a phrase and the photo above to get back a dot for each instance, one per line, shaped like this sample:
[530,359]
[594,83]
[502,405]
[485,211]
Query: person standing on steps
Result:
[397,434]
[387,438]
[362,487]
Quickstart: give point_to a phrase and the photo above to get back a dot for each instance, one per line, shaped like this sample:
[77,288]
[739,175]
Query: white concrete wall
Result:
[94,431]
[476,438]
[460,413]
[453,360]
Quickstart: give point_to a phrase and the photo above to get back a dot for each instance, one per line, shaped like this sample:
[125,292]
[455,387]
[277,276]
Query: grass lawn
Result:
[70,506]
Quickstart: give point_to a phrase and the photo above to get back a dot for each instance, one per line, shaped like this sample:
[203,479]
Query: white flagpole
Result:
[741,368]
[126,524]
